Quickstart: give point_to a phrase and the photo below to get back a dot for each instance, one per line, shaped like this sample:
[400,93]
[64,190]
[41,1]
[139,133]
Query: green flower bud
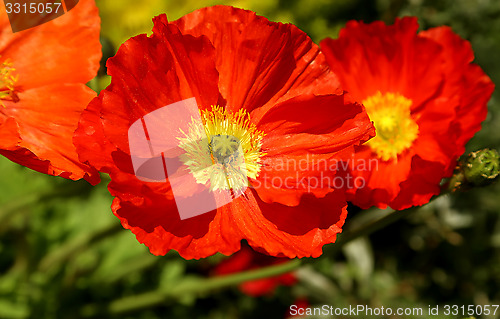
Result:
[481,168]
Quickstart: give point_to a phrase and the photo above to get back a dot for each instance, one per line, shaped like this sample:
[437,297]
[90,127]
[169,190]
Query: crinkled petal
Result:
[46,119]
[273,228]
[463,79]
[261,63]
[64,50]
[375,57]
[148,73]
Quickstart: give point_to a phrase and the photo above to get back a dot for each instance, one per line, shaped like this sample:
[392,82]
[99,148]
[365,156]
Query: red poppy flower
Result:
[425,97]
[247,259]
[43,72]
[264,92]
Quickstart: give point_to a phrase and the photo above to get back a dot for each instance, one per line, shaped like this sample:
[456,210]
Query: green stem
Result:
[377,224]
[68,250]
[235,279]
[374,226]
[14,206]
[202,286]
[198,286]
[67,189]
[136,264]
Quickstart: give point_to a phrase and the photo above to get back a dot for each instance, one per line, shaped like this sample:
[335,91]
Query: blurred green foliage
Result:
[64,255]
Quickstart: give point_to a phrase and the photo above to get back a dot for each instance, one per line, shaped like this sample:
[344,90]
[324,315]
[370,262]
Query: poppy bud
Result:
[481,168]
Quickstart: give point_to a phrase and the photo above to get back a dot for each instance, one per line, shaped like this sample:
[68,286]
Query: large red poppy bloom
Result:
[425,97]
[43,72]
[260,86]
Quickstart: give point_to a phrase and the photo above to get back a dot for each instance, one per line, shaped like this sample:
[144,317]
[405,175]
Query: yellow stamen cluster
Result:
[7,82]
[395,128]
[224,150]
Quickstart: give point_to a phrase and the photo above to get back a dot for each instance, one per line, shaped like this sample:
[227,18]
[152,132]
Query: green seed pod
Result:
[481,168]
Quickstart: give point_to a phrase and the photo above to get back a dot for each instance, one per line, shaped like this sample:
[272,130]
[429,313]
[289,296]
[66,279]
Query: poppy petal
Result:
[152,72]
[324,124]
[463,79]
[251,76]
[374,57]
[46,120]
[221,230]
[70,40]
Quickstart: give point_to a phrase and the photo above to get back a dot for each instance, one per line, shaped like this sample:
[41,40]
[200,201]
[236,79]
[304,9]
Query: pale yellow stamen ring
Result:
[224,151]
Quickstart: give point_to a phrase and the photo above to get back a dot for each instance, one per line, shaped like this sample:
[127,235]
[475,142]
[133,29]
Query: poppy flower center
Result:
[7,82]
[224,150]
[396,129]
[223,147]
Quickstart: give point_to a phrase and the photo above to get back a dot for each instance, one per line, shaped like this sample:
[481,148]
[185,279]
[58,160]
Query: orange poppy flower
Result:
[43,71]
[263,100]
[425,98]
